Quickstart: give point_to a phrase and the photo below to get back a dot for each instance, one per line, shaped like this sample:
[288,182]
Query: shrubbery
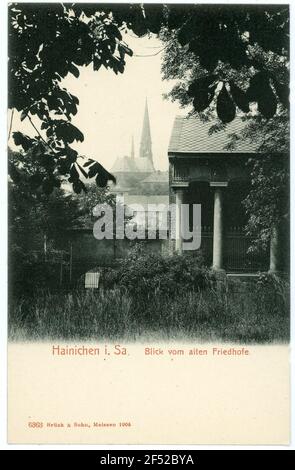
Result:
[147,274]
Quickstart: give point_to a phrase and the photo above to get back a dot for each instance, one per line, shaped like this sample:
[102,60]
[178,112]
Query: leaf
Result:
[74,70]
[200,84]
[137,21]
[282,91]
[44,125]
[102,175]
[257,84]
[96,63]
[126,49]
[71,154]
[260,91]
[74,175]
[67,131]
[113,31]
[23,140]
[225,107]
[203,92]
[267,103]
[89,162]
[23,115]
[101,180]
[78,186]
[82,170]
[239,97]
[93,170]
[203,100]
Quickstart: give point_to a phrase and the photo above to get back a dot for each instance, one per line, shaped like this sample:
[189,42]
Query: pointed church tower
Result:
[145,150]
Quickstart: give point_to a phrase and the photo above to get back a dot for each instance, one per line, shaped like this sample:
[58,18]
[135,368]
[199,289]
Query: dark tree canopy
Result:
[230,48]
[228,57]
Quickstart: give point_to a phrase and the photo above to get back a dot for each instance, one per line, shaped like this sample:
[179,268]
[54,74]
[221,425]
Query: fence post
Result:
[45,247]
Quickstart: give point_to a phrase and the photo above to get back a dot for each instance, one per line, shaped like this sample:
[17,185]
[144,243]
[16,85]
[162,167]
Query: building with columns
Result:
[203,170]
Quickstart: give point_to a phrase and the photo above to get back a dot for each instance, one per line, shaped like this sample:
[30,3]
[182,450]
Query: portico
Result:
[201,171]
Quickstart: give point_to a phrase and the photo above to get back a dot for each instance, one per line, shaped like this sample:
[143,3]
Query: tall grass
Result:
[241,314]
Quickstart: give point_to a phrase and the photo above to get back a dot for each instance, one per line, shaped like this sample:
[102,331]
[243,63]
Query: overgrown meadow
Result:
[157,298]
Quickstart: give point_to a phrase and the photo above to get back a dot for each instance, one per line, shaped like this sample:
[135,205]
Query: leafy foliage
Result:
[36,217]
[267,204]
[144,274]
[229,53]
[46,42]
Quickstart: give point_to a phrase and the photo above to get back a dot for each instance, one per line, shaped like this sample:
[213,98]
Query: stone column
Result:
[274,258]
[178,221]
[218,239]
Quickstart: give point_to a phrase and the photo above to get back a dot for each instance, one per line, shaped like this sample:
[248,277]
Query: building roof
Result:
[124,165]
[130,165]
[191,135]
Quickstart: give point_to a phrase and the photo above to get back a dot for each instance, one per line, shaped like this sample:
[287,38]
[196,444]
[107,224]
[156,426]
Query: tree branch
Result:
[10,126]
[39,134]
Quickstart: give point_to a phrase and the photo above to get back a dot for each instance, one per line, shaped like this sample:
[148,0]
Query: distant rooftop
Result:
[124,164]
[191,135]
[132,165]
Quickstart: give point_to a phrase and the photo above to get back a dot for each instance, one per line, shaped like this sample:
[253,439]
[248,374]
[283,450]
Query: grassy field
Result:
[242,313]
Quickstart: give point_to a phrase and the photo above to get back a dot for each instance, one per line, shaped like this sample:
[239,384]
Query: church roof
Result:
[130,165]
[124,165]
[191,135]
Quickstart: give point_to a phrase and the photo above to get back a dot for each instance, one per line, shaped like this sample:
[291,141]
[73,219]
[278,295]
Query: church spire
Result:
[145,150]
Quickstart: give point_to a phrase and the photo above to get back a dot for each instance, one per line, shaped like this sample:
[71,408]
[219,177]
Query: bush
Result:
[144,274]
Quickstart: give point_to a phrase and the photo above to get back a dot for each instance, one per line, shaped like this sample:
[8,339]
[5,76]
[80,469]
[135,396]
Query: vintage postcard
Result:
[148,194]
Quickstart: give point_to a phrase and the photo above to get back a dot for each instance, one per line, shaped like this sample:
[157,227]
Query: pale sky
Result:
[111,106]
